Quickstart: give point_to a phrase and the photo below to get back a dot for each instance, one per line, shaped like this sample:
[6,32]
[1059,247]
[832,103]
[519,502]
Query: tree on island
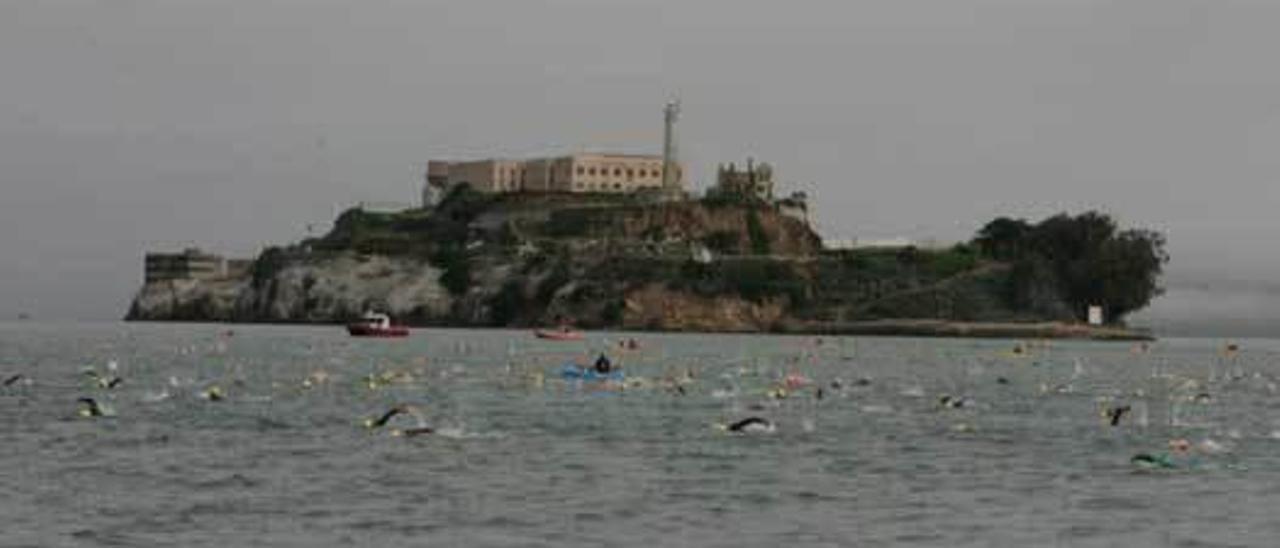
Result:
[1086,258]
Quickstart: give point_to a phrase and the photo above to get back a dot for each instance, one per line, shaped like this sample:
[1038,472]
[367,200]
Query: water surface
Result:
[522,458]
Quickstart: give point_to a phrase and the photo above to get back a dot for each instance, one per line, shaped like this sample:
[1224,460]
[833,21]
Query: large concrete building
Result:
[618,173]
[193,264]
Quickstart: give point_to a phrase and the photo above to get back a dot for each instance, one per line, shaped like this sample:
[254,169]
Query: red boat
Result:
[559,334]
[376,325]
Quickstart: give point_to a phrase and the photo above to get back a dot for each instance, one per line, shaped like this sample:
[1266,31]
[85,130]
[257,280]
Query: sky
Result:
[135,125]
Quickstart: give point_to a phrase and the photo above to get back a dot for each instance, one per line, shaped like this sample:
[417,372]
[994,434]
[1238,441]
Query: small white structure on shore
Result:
[1095,315]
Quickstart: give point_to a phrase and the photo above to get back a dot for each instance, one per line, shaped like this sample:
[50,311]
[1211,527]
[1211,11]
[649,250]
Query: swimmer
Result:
[108,382]
[398,410]
[1002,380]
[1149,460]
[316,378]
[1114,414]
[1064,388]
[213,393]
[13,379]
[90,408]
[382,421]
[751,425]
[375,381]
[1202,398]
[951,402]
[795,380]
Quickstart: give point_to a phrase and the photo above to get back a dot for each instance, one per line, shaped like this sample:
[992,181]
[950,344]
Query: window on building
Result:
[580,170]
[617,172]
[617,186]
[630,173]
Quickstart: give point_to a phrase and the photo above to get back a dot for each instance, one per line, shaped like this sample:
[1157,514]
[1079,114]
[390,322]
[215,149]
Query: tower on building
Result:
[670,180]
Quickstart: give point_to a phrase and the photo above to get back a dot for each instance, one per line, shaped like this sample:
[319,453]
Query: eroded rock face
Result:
[316,290]
[654,307]
[187,300]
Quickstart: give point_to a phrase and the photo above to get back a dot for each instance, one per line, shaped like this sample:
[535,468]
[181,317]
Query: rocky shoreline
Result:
[986,330]
[923,328]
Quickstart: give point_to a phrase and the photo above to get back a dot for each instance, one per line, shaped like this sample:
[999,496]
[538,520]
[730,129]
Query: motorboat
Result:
[374,324]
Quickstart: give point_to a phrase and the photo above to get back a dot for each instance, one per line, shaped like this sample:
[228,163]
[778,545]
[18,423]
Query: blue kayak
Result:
[576,372]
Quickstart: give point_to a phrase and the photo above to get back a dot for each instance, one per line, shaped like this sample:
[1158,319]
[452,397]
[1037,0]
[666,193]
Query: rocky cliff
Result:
[305,288]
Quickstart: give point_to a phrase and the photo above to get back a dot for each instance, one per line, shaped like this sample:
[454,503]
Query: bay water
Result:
[863,451]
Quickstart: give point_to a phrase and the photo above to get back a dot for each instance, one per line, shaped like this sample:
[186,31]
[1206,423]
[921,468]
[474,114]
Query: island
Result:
[734,260]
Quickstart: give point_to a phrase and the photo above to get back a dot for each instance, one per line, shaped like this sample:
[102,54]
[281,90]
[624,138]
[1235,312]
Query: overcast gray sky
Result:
[128,125]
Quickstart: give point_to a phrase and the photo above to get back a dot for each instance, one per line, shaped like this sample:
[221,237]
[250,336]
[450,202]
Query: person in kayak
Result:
[603,365]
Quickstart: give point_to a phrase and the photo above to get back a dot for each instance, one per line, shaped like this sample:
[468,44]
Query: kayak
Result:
[576,372]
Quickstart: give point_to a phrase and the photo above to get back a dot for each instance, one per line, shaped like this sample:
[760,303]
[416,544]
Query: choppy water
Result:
[516,462]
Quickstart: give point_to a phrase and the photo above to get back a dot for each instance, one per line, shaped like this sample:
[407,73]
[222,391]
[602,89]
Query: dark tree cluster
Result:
[1085,258]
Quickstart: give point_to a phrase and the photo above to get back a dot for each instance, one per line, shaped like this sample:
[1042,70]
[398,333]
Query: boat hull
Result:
[574,372]
[357,330]
[558,335]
